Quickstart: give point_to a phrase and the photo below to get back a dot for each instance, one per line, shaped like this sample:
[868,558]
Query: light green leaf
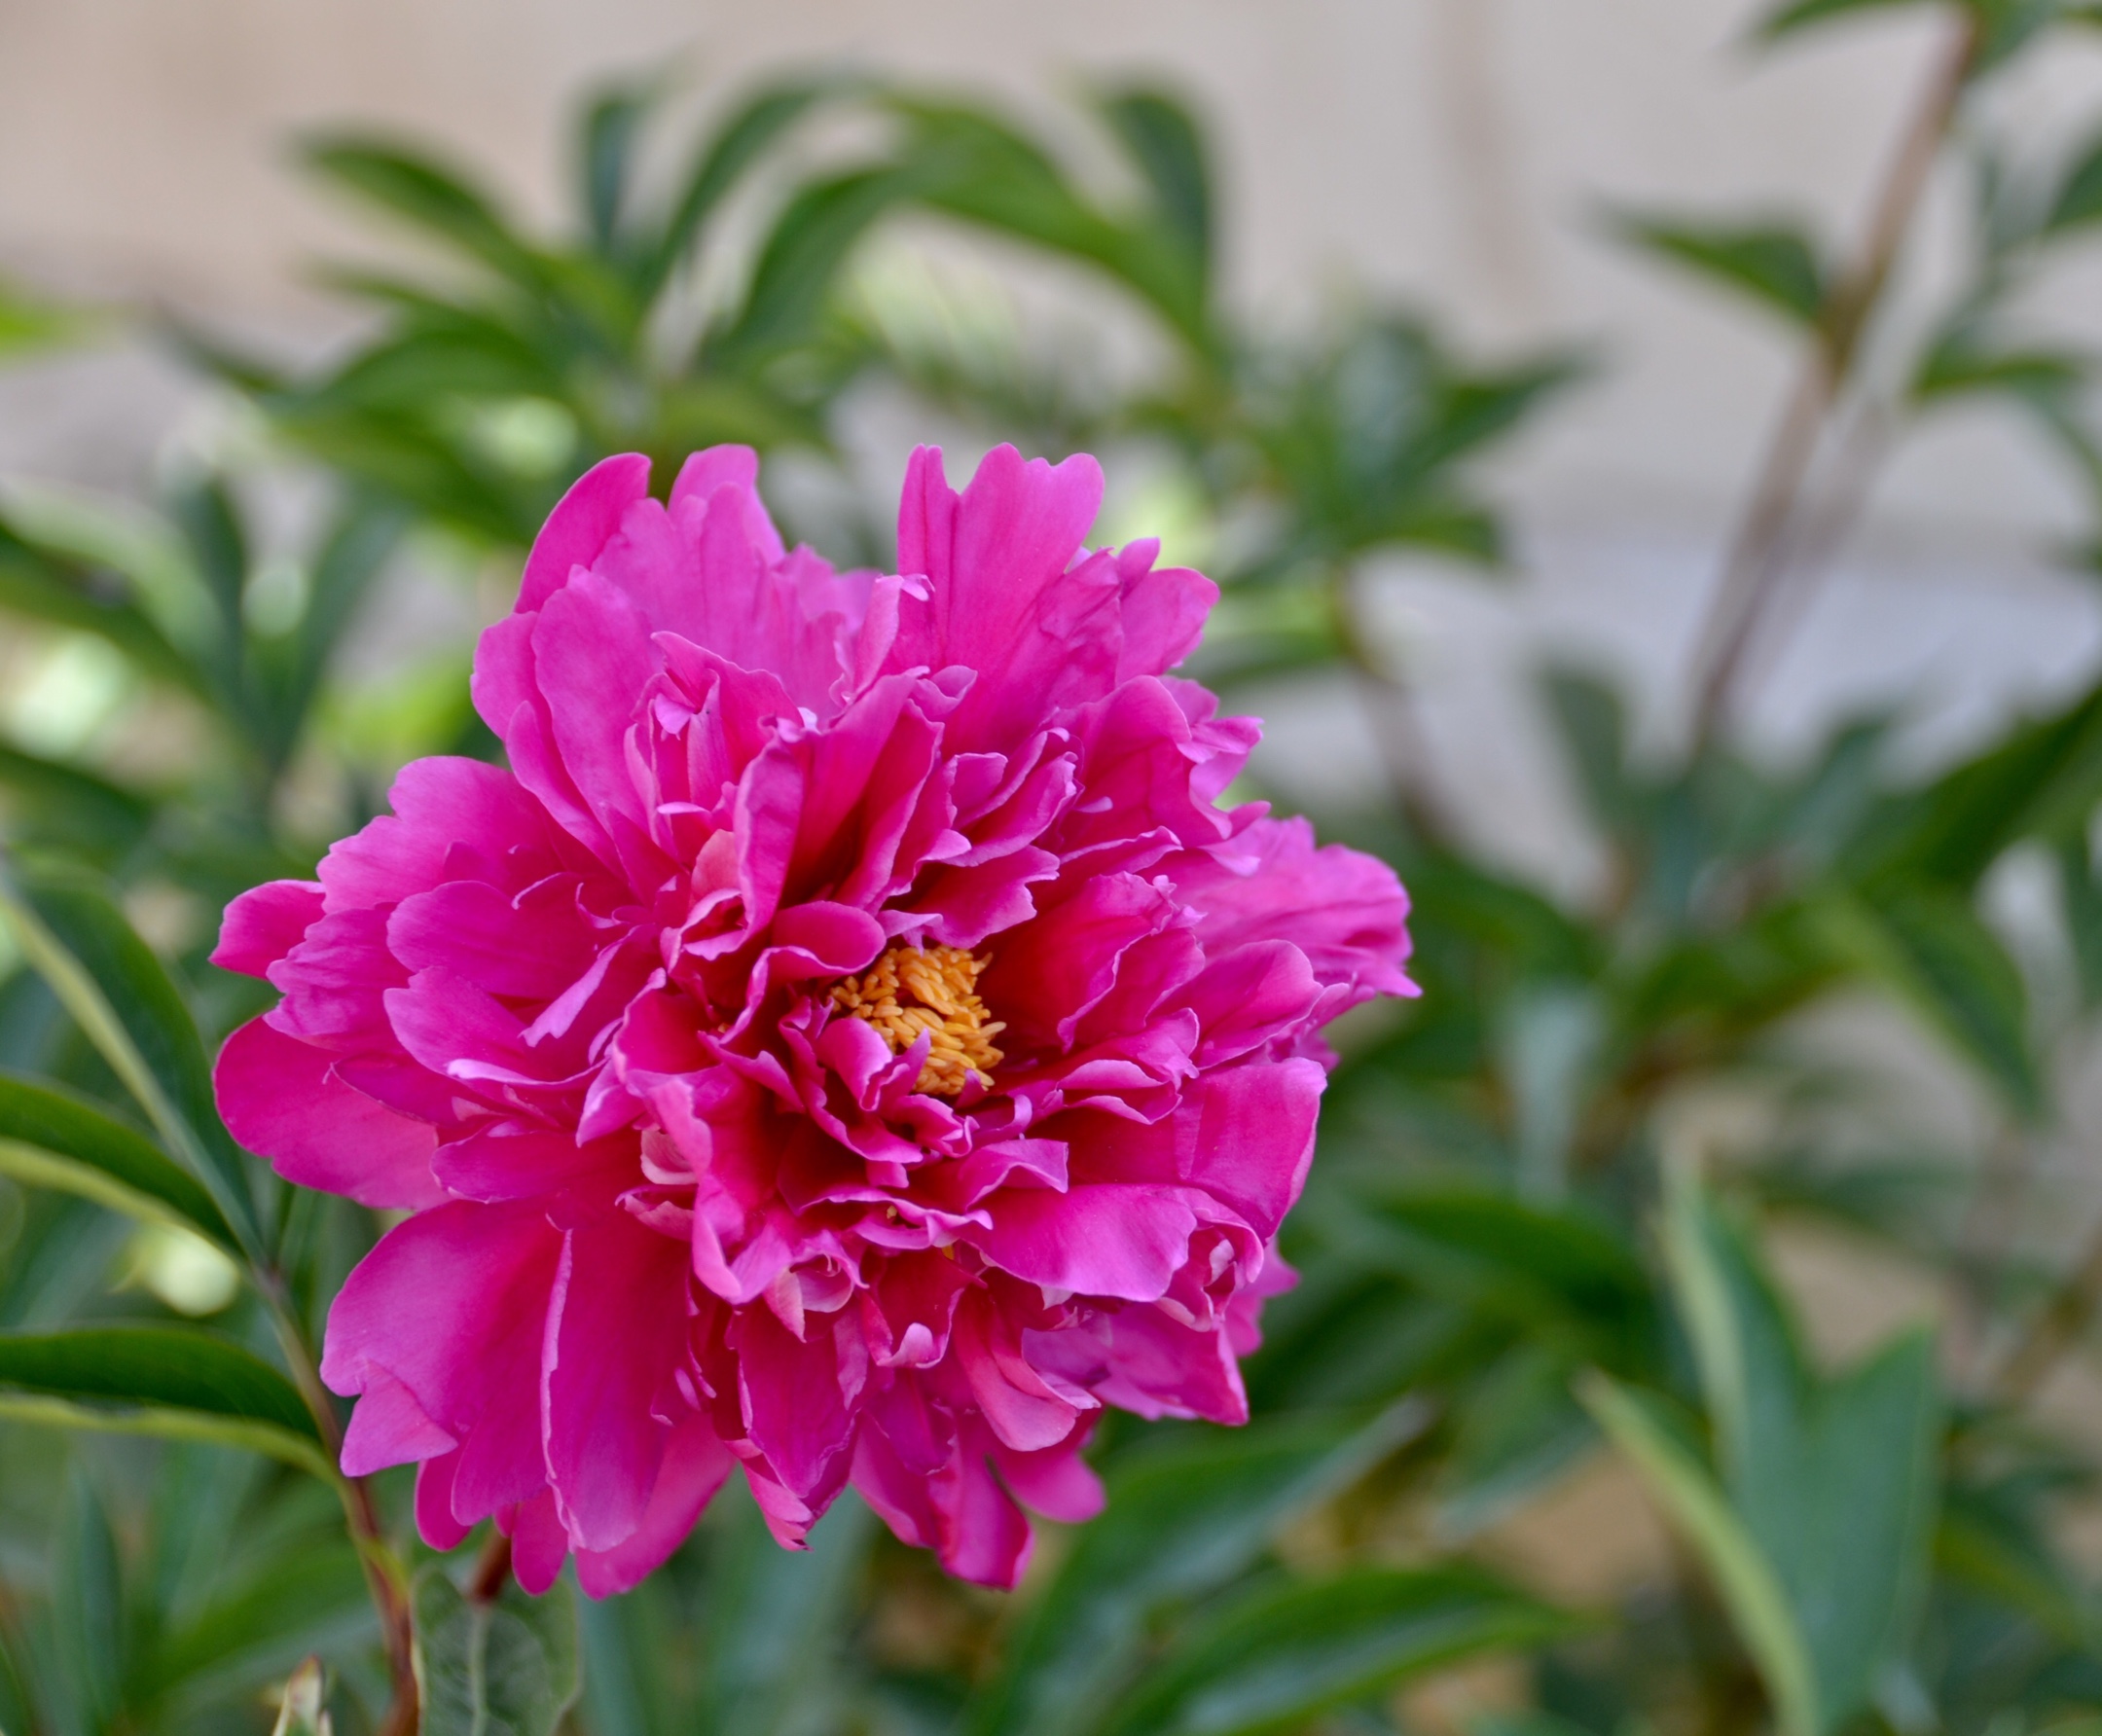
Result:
[1699,1512]
[51,1139]
[506,1668]
[1835,1481]
[172,1381]
[129,1008]
[1284,1655]
[1163,139]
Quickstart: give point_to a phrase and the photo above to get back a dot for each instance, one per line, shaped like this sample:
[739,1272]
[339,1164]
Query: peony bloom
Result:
[850,1044]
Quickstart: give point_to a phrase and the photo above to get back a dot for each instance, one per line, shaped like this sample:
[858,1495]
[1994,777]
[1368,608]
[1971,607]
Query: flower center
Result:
[912,990]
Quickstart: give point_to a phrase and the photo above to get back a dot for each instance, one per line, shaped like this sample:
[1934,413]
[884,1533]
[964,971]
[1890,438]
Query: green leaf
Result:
[50,585]
[125,1003]
[1801,14]
[89,1601]
[1698,1511]
[612,125]
[1929,948]
[803,253]
[2079,200]
[1183,1518]
[1775,263]
[2041,779]
[172,1381]
[1962,367]
[1162,137]
[435,198]
[28,323]
[1834,1481]
[505,1668]
[774,1616]
[1557,1272]
[59,804]
[1284,1655]
[743,138]
[51,1139]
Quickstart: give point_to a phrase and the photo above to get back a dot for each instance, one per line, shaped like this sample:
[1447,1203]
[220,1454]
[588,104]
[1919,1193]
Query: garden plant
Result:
[462,1118]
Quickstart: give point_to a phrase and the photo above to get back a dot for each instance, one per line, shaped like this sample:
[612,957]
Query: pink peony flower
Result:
[850,1044]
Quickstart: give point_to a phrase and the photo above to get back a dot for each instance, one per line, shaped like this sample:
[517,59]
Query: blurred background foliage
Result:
[1541,1444]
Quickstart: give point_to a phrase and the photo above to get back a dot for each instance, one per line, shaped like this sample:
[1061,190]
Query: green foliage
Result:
[505,1666]
[1776,265]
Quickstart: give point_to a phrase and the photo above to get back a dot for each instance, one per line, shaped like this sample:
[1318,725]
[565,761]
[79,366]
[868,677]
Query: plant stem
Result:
[384,1578]
[2056,1328]
[1757,553]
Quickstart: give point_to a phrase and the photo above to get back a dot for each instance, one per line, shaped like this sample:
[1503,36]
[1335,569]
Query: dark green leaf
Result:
[507,1668]
[49,1139]
[2041,779]
[1774,263]
[2079,200]
[612,125]
[773,1617]
[1163,139]
[808,244]
[1557,1272]
[89,1598]
[1181,1520]
[174,1381]
[1959,367]
[1276,1658]
[53,802]
[1802,13]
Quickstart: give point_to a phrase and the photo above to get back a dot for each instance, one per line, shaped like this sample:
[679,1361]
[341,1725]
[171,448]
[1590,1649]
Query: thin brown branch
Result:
[1756,556]
[383,1576]
[2059,1326]
[492,1569]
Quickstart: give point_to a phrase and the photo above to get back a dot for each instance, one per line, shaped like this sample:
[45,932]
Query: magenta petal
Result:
[389,1428]
[435,1522]
[618,1284]
[281,1098]
[450,1305]
[582,523]
[263,925]
[731,467]
[1100,1240]
[695,1464]
[539,1545]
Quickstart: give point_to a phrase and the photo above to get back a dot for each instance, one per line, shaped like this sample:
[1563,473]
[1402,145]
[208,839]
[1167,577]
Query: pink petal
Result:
[695,1464]
[581,524]
[616,1335]
[1100,1240]
[450,1305]
[265,924]
[282,1099]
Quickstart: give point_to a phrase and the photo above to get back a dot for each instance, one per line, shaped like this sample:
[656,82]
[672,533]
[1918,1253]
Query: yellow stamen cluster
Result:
[909,990]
